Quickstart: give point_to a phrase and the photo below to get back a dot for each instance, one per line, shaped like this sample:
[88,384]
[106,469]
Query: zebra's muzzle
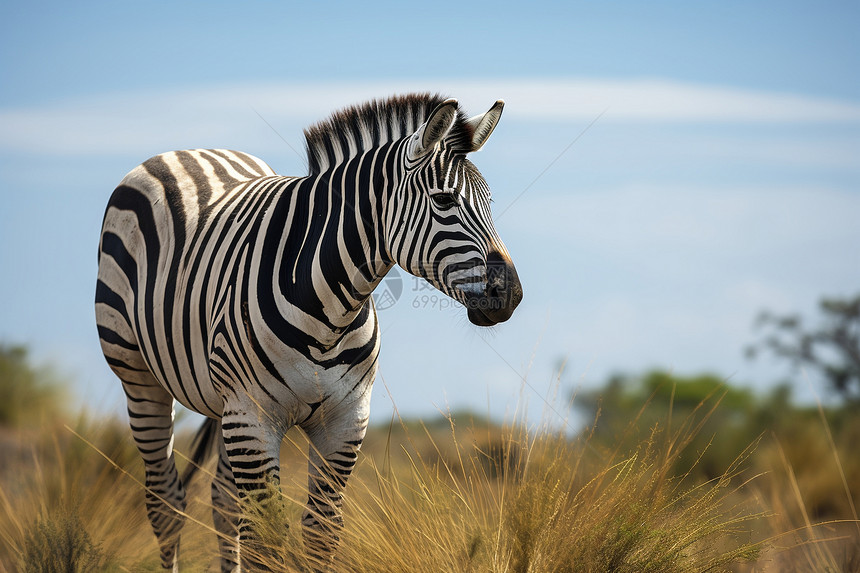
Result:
[501,294]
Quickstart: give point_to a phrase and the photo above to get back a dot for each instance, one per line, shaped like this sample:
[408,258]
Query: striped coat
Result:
[245,296]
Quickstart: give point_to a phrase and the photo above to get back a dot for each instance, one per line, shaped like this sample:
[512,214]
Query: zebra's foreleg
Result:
[335,442]
[150,411]
[253,451]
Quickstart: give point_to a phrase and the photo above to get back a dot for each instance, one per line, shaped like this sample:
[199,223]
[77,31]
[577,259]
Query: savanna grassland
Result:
[673,475]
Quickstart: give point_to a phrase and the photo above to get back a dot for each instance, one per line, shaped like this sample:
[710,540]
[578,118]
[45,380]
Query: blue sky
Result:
[722,175]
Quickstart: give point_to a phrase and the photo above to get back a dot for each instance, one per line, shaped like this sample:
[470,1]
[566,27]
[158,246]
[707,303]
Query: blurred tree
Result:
[833,348]
[712,420]
[27,393]
[655,396]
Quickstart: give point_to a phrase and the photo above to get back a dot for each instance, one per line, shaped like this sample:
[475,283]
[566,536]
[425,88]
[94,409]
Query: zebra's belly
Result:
[240,370]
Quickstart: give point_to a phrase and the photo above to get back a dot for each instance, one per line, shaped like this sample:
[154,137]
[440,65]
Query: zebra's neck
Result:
[332,243]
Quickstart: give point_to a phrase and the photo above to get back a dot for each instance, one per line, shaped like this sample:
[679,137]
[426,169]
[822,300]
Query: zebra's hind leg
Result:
[335,441]
[225,512]
[150,412]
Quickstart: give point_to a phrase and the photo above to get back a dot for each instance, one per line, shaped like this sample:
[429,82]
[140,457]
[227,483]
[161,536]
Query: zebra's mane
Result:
[352,130]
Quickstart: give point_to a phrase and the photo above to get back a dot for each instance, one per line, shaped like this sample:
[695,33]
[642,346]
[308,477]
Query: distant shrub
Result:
[28,393]
[631,407]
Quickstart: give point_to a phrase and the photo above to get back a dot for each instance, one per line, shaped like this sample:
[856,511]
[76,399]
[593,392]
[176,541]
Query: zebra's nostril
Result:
[496,275]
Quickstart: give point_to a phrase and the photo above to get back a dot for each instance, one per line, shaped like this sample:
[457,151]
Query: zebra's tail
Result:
[203,447]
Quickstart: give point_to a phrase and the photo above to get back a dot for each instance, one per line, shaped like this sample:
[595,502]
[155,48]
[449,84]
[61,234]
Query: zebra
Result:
[246,297]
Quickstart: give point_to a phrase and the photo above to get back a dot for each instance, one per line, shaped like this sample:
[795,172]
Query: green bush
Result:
[28,394]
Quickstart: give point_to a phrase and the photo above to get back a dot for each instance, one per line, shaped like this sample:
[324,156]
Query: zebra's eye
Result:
[444,200]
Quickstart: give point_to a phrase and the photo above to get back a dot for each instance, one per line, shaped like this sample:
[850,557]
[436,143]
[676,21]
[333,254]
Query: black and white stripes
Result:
[245,295]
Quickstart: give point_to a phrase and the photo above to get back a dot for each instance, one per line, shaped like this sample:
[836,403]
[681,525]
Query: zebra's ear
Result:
[434,129]
[484,124]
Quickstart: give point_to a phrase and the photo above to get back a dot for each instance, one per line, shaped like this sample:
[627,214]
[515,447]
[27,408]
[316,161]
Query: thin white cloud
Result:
[661,100]
[127,123]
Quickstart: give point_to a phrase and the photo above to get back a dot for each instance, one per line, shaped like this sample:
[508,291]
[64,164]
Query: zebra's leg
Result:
[335,440]
[150,411]
[252,449]
[225,512]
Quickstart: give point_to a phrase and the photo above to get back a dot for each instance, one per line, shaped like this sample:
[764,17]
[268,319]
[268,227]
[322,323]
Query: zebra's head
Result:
[440,226]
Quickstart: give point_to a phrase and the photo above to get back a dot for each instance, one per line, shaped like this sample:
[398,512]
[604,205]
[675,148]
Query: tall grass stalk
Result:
[805,544]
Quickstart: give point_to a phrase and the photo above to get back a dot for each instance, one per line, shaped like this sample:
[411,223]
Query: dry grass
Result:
[544,504]
[454,497]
